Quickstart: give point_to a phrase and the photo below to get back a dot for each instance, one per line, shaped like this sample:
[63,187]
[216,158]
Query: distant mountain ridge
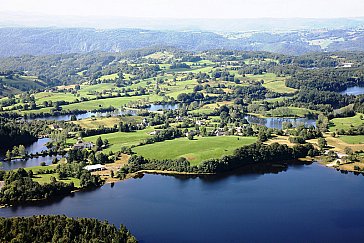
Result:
[44,41]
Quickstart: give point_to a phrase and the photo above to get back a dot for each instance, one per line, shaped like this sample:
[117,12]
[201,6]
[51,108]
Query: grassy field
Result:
[346,123]
[358,139]
[289,112]
[279,86]
[96,122]
[196,151]
[47,96]
[46,178]
[112,76]
[119,139]
[104,103]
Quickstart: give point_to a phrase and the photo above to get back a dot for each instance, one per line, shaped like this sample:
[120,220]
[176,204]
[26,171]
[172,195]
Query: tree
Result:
[112,174]
[21,150]
[99,142]
[55,161]
[73,118]
[322,143]
[348,150]
[15,151]
[8,155]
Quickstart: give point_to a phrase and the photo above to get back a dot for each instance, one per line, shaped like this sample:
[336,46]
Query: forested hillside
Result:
[44,41]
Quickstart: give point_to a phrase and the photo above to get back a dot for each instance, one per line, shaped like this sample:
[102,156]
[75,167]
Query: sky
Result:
[221,9]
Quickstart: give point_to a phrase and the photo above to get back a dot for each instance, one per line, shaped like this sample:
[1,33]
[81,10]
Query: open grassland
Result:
[196,150]
[119,139]
[289,112]
[46,178]
[253,61]
[52,96]
[338,144]
[358,139]
[279,86]
[96,122]
[272,82]
[346,122]
[104,103]
[112,76]
[160,55]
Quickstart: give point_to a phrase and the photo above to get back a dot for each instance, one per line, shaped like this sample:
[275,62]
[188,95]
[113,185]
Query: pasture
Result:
[196,150]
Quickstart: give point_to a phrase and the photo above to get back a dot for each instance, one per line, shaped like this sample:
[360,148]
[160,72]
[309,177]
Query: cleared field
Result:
[339,144]
[51,96]
[358,139]
[205,111]
[196,151]
[347,122]
[290,112]
[160,55]
[110,76]
[278,86]
[96,122]
[102,103]
[119,139]
[46,178]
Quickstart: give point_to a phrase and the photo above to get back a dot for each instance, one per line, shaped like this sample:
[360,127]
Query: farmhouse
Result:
[83,145]
[96,167]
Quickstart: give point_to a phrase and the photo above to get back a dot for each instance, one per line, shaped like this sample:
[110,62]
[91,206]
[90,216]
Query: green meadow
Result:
[346,122]
[196,150]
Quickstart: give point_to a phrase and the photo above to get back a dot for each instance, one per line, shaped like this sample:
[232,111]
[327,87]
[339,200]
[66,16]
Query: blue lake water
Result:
[277,122]
[86,115]
[356,90]
[154,107]
[35,147]
[306,203]
[109,113]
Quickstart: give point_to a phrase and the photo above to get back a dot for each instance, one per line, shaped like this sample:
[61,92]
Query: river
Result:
[305,203]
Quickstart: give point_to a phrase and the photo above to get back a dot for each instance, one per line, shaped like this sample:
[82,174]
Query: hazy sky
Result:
[190,8]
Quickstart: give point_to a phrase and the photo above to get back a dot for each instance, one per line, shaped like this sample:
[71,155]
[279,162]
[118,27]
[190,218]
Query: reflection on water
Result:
[308,202]
[277,122]
[106,114]
[19,163]
[87,115]
[356,90]
[154,107]
[36,147]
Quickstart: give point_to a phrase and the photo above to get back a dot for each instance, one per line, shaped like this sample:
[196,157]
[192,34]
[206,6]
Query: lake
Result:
[154,107]
[305,203]
[35,147]
[108,113]
[86,115]
[356,90]
[277,122]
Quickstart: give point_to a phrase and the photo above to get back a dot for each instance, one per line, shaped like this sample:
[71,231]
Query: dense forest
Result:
[57,228]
